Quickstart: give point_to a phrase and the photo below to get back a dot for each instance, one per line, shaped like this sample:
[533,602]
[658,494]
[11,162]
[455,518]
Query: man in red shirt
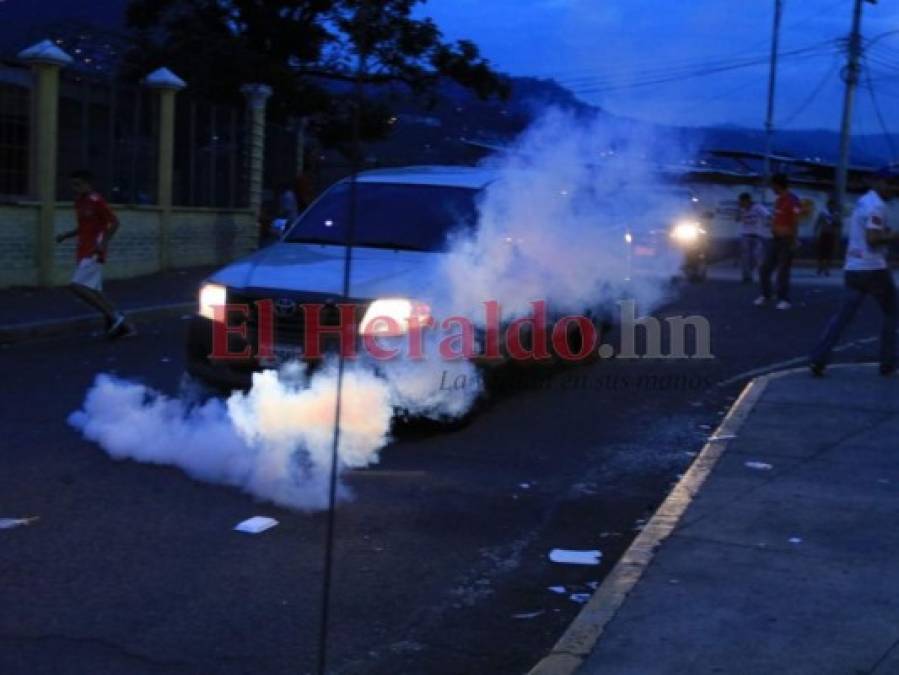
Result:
[96,226]
[784,231]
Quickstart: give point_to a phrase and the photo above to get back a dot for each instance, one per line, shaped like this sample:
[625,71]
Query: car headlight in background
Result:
[211,296]
[391,316]
[687,232]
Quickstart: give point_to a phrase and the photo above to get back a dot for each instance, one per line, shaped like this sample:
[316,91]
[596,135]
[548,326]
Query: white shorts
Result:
[89,273]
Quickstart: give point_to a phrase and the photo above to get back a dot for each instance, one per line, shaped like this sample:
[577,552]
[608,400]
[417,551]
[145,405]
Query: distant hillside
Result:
[422,132]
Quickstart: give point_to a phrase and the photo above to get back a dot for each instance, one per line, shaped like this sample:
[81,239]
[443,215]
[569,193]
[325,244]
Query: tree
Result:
[310,51]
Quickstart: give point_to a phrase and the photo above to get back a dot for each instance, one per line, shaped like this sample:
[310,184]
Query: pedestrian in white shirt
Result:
[867,273]
[754,230]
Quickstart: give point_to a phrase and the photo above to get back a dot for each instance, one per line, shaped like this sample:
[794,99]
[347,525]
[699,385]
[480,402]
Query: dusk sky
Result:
[602,48]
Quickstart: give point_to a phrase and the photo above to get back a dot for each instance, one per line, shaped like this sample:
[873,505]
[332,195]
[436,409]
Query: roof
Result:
[448,176]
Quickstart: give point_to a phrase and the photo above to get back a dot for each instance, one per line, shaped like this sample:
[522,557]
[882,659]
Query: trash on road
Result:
[795,540]
[760,466]
[256,524]
[10,523]
[524,486]
[556,589]
[528,615]
[567,557]
[579,598]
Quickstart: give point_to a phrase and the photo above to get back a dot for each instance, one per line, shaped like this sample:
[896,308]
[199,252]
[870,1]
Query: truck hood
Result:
[318,268]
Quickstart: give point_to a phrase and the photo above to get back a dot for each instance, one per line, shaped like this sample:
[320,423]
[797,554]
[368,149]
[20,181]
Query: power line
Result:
[811,97]
[626,79]
[751,50]
[877,112]
[674,77]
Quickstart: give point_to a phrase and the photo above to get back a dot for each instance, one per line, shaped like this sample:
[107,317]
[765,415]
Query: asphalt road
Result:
[441,559]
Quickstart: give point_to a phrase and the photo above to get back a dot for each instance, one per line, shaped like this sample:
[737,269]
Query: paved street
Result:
[441,559]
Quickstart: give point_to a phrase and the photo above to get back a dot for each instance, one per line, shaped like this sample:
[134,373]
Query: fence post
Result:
[257,97]
[45,60]
[166,84]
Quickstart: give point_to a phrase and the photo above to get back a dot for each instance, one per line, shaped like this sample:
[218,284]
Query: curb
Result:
[23,332]
[581,636]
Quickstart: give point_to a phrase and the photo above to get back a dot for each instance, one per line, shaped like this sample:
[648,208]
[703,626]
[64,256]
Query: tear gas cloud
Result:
[551,227]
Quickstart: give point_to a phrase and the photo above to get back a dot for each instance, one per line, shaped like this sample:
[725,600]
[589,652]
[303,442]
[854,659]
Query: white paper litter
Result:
[528,615]
[556,589]
[524,486]
[560,555]
[795,540]
[256,524]
[10,523]
[761,466]
[579,598]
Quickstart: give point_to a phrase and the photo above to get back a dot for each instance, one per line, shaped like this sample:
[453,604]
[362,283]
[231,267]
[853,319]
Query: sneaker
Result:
[817,369]
[759,301]
[783,304]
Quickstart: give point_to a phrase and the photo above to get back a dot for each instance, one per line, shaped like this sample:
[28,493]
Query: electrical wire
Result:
[651,76]
[802,53]
[877,111]
[331,525]
[645,64]
[810,98]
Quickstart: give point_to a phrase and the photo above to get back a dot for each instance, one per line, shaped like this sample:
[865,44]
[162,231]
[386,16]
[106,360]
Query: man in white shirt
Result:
[867,273]
[754,230]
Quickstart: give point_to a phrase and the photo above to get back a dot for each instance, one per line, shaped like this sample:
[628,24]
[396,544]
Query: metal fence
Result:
[111,131]
[210,157]
[15,112]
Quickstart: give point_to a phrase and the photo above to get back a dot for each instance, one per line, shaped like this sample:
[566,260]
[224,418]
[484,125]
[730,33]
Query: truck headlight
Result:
[211,296]
[687,232]
[388,317]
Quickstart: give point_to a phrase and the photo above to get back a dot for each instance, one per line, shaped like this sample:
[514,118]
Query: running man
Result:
[866,273]
[97,225]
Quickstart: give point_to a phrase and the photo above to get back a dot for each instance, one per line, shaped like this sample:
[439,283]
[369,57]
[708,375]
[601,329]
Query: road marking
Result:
[798,361]
[580,638]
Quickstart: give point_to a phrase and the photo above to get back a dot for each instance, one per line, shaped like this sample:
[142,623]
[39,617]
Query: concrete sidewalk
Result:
[777,553]
[27,313]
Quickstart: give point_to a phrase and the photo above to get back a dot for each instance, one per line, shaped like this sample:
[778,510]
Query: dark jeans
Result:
[879,285]
[826,243]
[778,256]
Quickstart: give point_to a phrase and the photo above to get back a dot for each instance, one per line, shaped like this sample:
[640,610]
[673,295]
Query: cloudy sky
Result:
[634,57]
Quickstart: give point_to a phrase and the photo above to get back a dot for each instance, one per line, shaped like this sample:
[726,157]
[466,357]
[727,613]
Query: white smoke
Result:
[551,228]
[274,442]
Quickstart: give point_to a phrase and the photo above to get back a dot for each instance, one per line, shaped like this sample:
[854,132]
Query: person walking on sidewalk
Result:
[96,226]
[753,219]
[867,273]
[827,229]
[784,230]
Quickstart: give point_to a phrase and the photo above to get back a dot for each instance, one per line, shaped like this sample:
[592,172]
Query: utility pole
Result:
[851,77]
[772,81]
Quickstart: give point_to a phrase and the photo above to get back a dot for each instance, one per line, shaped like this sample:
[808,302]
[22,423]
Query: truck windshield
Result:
[388,215]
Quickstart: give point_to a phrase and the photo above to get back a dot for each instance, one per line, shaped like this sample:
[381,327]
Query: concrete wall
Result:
[18,245]
[722,200]
[199,236]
